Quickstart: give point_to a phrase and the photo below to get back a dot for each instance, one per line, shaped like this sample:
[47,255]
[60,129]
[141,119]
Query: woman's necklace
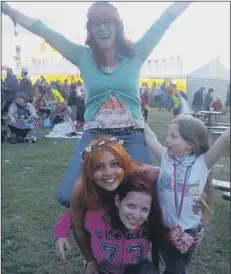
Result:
[108,69]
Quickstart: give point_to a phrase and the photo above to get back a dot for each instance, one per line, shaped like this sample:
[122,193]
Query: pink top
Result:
[110,248]
[63,228]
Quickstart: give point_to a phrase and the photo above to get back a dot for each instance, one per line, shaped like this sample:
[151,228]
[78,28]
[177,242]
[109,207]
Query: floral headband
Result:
[100,144]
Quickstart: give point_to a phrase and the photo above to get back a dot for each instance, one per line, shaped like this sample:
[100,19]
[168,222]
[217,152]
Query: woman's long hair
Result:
[194,132]
[94,196]
[102,11]
[138,182]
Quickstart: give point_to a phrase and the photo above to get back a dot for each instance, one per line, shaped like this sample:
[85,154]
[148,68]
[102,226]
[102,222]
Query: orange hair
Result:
[103,11]
[93,195]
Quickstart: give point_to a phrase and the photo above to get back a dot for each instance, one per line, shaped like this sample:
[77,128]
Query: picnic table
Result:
[226,196]
[217,127]
[223,186]
[198,115]
[222,124]
[209,114]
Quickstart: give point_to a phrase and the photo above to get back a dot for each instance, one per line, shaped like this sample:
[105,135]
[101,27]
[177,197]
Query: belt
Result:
[114,131]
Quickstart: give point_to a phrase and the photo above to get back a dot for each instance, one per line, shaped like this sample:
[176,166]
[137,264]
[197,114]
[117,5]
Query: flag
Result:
[157,63]
[42,47]
[149,63]
[18,53]
[178,60]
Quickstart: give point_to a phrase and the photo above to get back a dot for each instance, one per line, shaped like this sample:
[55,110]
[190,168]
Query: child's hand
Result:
[62,246]
[197,206]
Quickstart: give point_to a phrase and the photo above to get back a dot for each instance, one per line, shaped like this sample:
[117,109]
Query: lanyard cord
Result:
[178,212]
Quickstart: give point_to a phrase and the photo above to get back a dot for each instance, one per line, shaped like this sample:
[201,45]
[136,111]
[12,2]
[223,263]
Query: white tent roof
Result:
[151,71]
[215,70]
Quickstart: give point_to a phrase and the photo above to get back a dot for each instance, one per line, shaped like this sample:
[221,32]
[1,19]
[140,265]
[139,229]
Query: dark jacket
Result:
[207,101]
[198,99]
[72,99]
[27,88]
[10,88]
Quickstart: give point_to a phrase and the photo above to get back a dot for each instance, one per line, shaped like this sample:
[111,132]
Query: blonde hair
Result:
[194,132]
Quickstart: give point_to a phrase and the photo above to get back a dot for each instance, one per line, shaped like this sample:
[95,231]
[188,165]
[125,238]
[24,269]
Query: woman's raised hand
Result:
[6,8]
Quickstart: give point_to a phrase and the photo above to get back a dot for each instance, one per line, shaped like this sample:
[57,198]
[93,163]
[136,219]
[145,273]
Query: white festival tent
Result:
[53,68]
[213,75]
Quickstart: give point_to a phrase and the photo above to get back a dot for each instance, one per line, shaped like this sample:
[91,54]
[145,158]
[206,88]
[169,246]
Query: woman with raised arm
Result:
[110,66]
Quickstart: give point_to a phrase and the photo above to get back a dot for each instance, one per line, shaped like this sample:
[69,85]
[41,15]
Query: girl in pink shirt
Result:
[105,165]
[118,234]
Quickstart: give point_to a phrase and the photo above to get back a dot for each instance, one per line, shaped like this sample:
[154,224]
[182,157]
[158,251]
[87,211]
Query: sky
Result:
[198,36]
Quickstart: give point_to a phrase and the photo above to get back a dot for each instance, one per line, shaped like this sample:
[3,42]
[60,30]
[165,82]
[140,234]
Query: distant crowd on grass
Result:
[166,97]
[25,106]
[205,101]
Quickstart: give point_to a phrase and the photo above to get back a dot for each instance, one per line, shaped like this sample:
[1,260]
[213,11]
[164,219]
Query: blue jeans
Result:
[175,261]
[133,143]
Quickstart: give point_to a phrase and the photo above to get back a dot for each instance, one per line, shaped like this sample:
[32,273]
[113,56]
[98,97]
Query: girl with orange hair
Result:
[108,170]
[110,66]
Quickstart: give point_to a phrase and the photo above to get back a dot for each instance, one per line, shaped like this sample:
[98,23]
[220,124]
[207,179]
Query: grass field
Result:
[31,175]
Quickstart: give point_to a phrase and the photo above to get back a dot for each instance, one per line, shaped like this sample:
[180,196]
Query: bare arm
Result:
[77,213]
[71,51]
[153,143]
[217,149]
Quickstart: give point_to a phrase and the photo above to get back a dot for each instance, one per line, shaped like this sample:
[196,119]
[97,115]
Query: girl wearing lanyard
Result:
[185,173]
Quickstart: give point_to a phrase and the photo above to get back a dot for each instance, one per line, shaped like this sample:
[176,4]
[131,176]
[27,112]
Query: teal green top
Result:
[123,81]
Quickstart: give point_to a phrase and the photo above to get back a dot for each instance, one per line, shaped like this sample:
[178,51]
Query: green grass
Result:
[31,175]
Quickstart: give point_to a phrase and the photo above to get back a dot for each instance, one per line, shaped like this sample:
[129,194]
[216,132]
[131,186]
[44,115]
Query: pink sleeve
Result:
[63,228]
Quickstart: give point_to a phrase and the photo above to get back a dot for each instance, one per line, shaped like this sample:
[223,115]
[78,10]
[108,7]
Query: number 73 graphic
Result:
[113,250]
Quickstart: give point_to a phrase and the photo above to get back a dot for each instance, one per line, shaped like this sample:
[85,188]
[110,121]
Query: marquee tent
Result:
[213,75]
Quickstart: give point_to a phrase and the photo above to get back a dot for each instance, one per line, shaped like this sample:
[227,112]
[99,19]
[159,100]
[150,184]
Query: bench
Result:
[226,196]
[217,127]
[221,124]
[217,132]
[198,114]
[221,185]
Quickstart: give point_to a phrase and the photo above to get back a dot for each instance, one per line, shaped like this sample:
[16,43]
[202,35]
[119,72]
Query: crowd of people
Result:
[165,97]
[205,101]
[25,106]
[118,202]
